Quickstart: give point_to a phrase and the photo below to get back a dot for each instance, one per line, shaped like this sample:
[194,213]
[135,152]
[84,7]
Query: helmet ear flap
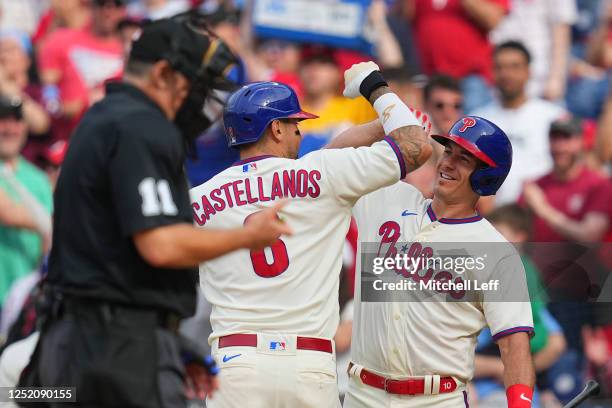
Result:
[485,181]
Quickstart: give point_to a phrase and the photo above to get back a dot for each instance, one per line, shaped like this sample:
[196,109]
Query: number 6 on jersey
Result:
[280,258]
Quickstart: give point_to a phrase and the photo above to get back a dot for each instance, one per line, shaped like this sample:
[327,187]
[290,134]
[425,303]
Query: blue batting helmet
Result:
[488,143]
[251,109]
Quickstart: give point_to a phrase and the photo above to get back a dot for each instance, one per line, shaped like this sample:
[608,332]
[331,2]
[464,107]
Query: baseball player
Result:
[274,312]
[420,354]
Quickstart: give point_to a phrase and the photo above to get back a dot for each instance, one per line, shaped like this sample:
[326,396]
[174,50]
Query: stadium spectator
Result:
[402,30]
[543,26]
[571,202]
[386,47]
[157,9]
[276,60]
[587,83]
[75,64]
[15,83]
[443,102]
[321,79]
[440,26]
[526,120]
[15,62]
[71,14]
[548,344]
[21,250]
[571,205]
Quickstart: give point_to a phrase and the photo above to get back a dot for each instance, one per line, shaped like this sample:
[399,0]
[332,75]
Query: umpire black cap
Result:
[175,41]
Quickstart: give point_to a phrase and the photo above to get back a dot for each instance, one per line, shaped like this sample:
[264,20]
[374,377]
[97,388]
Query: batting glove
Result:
[362,79]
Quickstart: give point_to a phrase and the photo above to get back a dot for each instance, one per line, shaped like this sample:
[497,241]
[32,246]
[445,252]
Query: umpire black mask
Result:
[191,49]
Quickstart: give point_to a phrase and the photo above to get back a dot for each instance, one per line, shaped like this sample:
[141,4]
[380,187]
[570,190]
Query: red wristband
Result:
[519,396]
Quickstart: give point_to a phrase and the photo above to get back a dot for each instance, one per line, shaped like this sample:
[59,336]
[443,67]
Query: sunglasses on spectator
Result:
[442,105]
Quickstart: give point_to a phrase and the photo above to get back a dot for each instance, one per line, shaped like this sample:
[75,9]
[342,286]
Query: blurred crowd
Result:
[540,69]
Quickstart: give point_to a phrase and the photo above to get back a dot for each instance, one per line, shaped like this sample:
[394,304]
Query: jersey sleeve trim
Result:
[528,329]
[399,156]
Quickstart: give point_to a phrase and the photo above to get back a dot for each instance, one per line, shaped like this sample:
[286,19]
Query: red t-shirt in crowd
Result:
[590,192]
[450,41]
[570,269]
[84,61]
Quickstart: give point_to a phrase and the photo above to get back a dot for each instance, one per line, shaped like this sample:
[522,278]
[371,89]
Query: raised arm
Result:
[396,120]
[369,133]
[357,136]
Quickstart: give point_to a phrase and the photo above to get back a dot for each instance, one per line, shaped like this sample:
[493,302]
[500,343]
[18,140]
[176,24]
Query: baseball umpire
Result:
[122,268]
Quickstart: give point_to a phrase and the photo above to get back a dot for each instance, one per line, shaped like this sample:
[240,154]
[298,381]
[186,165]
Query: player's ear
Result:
[276,130]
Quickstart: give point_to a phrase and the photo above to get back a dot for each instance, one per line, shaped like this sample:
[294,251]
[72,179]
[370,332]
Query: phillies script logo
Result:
[390,234]
[467,123]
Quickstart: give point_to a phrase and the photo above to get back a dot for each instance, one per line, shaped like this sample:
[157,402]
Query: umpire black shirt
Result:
[123,173]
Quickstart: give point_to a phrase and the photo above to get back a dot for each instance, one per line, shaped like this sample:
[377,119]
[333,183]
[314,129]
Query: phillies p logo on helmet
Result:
[467,123]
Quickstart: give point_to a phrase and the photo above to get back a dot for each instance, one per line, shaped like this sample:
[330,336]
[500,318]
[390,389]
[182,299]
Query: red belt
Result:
[250,340]
[404,387]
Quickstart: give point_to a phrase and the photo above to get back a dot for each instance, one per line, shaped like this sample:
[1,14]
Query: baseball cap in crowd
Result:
[175,41]
[567,125]
[10,107]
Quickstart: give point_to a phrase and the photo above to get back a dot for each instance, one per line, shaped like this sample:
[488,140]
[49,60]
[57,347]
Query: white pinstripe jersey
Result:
[432,337]
[291,287]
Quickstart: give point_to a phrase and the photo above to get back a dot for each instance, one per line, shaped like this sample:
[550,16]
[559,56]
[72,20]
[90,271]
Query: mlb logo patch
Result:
[249,167]
[278,345]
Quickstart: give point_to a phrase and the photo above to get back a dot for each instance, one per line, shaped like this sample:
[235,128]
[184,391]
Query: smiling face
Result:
[453,171]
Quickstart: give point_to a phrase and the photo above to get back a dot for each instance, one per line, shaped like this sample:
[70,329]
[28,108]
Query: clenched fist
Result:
[354,76]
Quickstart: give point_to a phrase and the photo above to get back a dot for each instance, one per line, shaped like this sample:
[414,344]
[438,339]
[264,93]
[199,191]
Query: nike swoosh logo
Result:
[227,358]
[406,212]
[524,398]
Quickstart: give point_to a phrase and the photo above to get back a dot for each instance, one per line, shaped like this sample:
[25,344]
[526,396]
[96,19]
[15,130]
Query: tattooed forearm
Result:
[412,140]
